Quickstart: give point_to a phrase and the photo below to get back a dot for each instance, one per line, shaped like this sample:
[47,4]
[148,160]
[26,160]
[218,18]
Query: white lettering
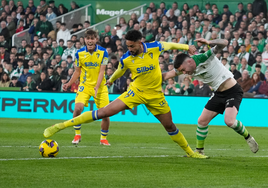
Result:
[115,12]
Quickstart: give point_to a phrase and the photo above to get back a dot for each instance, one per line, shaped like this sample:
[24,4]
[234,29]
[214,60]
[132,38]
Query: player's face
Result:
[188,66]
[91,42]
[134,47]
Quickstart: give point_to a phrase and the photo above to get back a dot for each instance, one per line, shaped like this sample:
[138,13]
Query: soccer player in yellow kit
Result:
[90,65]
[142,60]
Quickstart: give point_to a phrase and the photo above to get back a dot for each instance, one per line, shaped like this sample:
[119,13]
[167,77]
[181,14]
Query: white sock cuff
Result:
[234,125]
[202,126]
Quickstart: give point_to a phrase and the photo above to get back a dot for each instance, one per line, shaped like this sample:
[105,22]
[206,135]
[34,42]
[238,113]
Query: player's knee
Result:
[202,121]
[106,119]
[102,113]
[77,111]
[229,121]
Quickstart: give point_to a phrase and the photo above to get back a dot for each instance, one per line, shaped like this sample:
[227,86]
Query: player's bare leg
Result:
[176,135]
[79,107]
[231,121]
[202,128]
[111,109]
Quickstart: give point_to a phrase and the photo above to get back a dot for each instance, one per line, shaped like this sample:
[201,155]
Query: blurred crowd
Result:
[47,61]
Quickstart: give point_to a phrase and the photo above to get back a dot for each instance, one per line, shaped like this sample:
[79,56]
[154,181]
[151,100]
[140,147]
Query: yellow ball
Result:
[49,148]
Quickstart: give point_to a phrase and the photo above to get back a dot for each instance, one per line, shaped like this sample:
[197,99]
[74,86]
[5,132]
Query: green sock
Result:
[201,135]
[240,128]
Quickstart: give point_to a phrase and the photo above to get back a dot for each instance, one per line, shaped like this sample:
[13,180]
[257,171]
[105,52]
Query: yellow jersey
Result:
[145,69]
[90,64]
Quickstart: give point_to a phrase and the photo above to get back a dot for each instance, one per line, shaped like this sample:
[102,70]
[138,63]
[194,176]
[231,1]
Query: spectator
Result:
[206,34]
[64,34]
[43,7]
[261,41]
[243,53]
[172,88]
[172,16]
[31,65]
[86,24]
[12,6]
[58,60]
[263,89]
[43,27]
[62,10]
[107,43]
[147,15]
[4,55]
[149,36]
[70,61]
[43,84]
[259,6]
[256,83]
[11,26]
[258,62]
[50,14]
[29,85]
[187,87]
[64,68]
[69,51]
[177,12]
[245,81]
[105,32]
[57,50]
[235,72]
[202,89]
[20,26]
[63,79]
[4,43]
[120,85]
[265,56]
[74,6]
[54,8]
[244,66]
[225,63]
[19,70]
[5,31]
[258,71]
[14,82]
[31,5]
[5,80]
[29,20]
[226,11]
[36,74]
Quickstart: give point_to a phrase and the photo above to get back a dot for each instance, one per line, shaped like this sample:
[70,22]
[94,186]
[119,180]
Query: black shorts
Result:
[228,98]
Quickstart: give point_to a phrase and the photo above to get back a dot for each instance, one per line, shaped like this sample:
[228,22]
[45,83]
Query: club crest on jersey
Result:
[98,55]
[146,69]
[151,55]
[132,61]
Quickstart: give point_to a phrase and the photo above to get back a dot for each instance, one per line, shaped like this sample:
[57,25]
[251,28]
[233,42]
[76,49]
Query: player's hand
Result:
[96,91]
[65,87]
[108,83]
[202,40]
[191,50]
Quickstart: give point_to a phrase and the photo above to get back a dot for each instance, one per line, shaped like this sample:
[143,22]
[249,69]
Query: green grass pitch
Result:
[140,155]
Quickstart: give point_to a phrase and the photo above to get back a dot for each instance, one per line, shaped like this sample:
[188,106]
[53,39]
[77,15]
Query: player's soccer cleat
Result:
[254,147]
[104,142]
[200,151]
[197,155]
[50,131]
[77,139]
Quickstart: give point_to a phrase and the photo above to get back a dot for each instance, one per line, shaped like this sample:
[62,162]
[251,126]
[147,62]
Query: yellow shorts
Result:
[85,92]
[154,101]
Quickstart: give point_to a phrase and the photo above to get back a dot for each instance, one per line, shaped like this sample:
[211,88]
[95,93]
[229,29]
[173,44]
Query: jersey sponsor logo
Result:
[91,65]
[145,69]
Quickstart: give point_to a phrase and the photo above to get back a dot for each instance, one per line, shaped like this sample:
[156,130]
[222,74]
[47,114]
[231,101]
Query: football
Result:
[49,148]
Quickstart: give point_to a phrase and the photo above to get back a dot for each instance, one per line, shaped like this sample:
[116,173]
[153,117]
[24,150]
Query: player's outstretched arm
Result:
[117,74]
[171,46]
[75,76]
[169,74]
[220,43]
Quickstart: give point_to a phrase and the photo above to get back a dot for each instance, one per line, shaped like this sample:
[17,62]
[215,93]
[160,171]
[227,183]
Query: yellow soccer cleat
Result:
[197,155]
[50,131]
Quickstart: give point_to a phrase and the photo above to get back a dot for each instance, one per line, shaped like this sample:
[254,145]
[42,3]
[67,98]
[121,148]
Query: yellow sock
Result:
[104,134]
[86,117]
[77,129]
[178,137]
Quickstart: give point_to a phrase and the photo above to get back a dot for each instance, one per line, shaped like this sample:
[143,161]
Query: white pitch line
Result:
[89,157]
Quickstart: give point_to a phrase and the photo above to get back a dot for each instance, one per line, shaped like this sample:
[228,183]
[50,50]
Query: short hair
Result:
[179,60]
[20,60]
[87,22]
[69,56]
[133,35]
[58,22]
[61,40]
[64,24]
[90,32]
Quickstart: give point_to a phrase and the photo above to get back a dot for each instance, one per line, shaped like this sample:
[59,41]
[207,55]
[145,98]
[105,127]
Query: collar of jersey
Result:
[144,51]
[96,48]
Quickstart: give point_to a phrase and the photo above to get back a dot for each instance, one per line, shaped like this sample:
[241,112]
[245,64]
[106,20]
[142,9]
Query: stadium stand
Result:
[46,61]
